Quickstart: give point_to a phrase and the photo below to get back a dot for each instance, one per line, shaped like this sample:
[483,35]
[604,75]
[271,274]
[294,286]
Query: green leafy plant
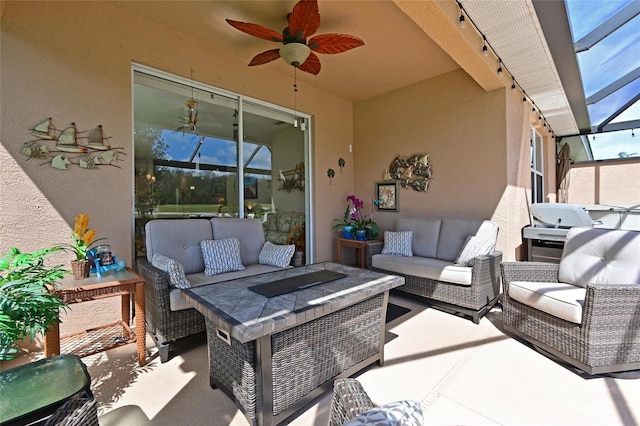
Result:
[27,307]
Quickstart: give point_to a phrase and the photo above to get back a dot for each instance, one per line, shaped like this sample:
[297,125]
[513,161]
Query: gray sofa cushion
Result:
[425,235]
[248,231]
[454,232]
[179,240]
[600,256]
[424,267]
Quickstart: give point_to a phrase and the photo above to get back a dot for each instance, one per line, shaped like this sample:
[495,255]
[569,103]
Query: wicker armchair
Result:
[349,401]
[75,412]
[603,336]
[352,406]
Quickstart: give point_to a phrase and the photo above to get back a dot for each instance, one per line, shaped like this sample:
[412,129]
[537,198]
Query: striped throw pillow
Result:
[398,243]
[221,256]
[276,254]
[177,279]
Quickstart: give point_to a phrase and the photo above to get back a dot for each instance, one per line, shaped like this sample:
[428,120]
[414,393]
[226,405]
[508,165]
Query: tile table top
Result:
[247,315]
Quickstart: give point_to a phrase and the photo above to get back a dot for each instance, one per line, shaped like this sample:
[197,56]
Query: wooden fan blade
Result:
[311,65]
[334,43]
[256,30]
[265,57]
[305,19]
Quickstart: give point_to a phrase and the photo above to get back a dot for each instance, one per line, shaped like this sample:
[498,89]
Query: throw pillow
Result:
[221,256]
[473,247]
[399,413]
[398,243]
[172,267]
[276,254]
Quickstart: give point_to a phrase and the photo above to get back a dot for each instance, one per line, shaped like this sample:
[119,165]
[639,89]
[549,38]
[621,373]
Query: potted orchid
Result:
[355,223]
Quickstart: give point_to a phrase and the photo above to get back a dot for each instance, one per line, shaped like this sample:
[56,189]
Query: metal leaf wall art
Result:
[61,148]
[411,172]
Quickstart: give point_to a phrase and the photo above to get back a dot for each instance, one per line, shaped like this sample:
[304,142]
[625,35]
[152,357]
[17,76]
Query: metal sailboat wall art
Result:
[92,150]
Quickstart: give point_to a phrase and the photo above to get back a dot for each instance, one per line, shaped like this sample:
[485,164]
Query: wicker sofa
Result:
[470,287]
[168,316]
[585,310]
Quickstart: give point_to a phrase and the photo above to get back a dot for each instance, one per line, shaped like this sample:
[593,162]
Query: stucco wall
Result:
[614,182]
[72,61]
[476,154]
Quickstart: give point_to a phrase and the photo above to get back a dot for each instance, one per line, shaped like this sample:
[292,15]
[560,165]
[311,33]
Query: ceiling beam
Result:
[618,19]
[616,85]
[554,22]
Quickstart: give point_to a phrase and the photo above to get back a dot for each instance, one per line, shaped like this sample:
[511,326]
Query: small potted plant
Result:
[355,223]
[83,240]
[27,307]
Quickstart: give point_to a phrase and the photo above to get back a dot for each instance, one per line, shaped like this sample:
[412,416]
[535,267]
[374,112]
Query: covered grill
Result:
[550,224]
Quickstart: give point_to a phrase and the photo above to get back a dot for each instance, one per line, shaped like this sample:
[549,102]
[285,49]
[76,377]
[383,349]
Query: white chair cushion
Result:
[600,256]
[558,299]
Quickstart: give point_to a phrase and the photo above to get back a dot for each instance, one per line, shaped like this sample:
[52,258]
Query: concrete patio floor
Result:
[462,373]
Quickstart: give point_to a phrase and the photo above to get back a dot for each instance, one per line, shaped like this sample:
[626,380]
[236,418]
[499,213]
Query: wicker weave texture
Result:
[303,357]
[349,401]
[484,288]
[610,329]
[165,324]
[75,412]
[308,355]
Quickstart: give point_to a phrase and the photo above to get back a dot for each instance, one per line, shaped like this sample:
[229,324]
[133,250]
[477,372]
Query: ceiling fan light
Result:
[295,54]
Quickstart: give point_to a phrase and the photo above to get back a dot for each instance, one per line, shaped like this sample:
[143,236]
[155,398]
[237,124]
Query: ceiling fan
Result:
[297,51]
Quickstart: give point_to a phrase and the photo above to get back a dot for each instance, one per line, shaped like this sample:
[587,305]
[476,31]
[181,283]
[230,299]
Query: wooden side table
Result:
[359,245]
[122,283]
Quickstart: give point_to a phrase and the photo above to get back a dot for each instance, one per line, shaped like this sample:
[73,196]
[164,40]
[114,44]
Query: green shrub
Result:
[26,306]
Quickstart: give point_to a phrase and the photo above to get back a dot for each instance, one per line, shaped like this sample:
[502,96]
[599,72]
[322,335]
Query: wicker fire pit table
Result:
[273,355]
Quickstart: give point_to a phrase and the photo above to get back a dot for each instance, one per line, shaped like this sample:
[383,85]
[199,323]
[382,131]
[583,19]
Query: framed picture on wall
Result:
[250,188]
[387,193]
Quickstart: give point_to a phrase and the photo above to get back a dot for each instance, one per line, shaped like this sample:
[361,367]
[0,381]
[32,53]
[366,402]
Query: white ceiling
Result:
[396,53]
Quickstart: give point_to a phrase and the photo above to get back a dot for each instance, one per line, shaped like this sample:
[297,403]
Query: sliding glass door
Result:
[203,152]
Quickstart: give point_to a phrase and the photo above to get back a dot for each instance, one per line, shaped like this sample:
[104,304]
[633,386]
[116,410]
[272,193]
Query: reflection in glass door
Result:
[189,162]
[281,190]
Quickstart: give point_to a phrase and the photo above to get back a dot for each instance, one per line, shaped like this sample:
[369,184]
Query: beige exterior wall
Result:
[476,158]
[613,183]
[72,61]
